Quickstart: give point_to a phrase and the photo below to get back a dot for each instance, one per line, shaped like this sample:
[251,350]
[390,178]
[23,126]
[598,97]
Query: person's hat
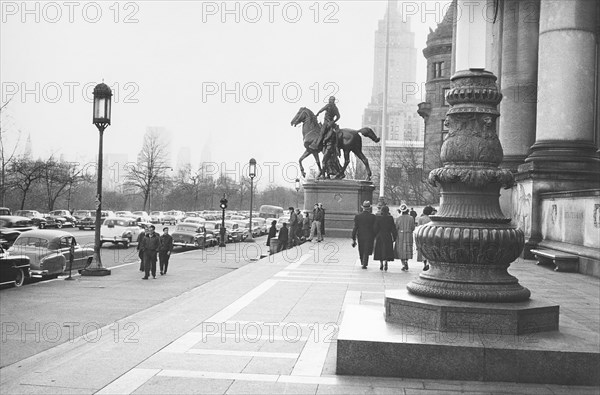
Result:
[366,204]
[403,208]
[290,208]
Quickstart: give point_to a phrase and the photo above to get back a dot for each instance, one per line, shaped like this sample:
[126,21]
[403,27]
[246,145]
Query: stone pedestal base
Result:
[341,199]
[471,317]
[367,345]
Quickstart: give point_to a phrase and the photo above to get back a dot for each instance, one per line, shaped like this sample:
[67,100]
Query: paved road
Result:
[43,314]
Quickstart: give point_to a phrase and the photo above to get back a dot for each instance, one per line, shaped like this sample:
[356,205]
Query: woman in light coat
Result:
[405,226]
[422,220]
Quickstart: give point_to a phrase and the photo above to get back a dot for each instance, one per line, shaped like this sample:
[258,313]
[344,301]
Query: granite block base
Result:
[367,345]
[447,315]
[341,199]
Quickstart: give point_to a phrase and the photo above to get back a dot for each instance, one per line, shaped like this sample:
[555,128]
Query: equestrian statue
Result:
[332,140]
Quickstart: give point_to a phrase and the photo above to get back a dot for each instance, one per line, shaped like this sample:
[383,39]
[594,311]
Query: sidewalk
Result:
[268,327]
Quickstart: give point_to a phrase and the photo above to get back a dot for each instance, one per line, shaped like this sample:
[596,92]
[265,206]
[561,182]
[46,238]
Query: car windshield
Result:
[82,213]
[32,242]
[155,213]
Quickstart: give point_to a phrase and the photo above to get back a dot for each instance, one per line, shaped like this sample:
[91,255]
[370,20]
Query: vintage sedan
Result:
[236,231]
[192,234]
[120,230]
[36,217]
[156,217]
[214,227]
[173,217]
[14,269]
[21,224]
[62,217]
[51,252]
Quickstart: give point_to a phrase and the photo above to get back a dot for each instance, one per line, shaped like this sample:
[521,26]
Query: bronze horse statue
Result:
[348,141]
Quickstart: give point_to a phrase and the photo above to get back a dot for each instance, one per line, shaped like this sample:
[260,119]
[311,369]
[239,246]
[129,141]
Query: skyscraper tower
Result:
[404,130]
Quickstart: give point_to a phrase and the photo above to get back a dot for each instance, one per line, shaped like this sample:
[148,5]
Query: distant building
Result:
[438,53]
[404,138]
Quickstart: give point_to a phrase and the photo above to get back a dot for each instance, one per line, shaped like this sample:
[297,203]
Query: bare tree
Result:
[56,176]
[24,173]
[7,155]
[151,166]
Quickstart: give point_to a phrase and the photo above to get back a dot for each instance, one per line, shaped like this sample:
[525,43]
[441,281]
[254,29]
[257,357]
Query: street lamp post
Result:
[101,118]
[297,185]
[251,174]
[223,205]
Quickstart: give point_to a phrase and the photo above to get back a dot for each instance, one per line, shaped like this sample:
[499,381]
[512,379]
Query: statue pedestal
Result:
[341,200]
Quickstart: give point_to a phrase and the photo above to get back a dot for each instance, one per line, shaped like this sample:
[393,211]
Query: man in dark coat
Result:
[165,249]
[364,224]
[140,242]
[322,220]
[293,229]
[283,237]
[150,245]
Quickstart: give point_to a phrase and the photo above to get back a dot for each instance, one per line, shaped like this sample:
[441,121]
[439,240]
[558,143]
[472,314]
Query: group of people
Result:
[385,238]
[149,245]
[300,227]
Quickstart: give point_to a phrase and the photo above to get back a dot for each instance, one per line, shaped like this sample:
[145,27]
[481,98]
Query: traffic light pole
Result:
[223,205]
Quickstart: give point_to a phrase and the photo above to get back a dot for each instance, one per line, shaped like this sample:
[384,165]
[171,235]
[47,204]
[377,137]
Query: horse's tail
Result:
[368,132]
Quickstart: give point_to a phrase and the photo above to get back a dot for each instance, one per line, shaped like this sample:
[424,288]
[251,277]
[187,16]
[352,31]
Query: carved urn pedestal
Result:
[467,318]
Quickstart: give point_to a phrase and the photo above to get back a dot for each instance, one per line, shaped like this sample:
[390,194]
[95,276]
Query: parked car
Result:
[215,228]
[90,221]
[21,224]
[261,225]
[36,217]
[49,252]
[281,221]
[127,214]
[5,211]
[8,237]
[120,230]
[14,269]
[237,231]
[195,220]
[156,217]
[62,217]
[191,234]
[81,214]
[144,217]
[173,217]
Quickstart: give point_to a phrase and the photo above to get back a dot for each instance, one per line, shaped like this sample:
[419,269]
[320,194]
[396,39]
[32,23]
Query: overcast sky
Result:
[169,62]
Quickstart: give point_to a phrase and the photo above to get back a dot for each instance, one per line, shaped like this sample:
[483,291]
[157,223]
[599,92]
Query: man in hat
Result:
[293,228]
[364,231]
[405,225]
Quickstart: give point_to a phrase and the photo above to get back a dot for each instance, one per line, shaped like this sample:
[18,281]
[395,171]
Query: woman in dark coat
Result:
[385,235]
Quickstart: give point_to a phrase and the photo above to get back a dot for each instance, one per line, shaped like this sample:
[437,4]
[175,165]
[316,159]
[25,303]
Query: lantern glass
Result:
[252,168]
[99,108]
[297,183]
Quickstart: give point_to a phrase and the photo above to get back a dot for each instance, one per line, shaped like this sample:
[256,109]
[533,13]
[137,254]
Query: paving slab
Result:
[309,286]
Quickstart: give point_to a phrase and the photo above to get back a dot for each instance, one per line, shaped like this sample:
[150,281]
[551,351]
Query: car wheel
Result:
[42,225]
[59,225]
[88,263]
[126,244]
[81,228]
[20,278]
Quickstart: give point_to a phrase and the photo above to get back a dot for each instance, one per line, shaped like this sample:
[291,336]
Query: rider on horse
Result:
[328,130]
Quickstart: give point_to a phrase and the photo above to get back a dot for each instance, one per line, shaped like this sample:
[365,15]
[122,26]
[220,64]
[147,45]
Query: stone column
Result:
[564,155]
[518,80]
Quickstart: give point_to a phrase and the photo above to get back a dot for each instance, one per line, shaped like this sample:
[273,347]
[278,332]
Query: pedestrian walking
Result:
[140,250]
[315,227]
[385,235]
[150,245]
[413,213]
[272,232]
[322,220]
[364,231]
[422,220]
[165,250]
[405,226]
[293,228]
[283,237]
[299,224]
[306,226]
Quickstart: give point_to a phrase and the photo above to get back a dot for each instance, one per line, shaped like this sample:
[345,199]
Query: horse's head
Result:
[300,116]
[368,132]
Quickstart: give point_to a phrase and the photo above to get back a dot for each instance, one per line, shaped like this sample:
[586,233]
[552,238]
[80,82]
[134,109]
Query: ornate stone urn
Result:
[470,244]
